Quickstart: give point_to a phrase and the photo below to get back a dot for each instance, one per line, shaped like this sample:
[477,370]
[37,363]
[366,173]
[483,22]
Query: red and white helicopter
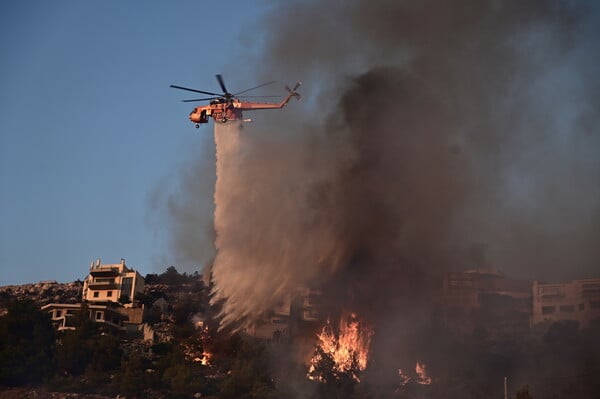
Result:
[228,106]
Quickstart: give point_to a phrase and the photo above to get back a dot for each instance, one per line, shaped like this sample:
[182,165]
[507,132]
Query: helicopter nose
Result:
[194,116]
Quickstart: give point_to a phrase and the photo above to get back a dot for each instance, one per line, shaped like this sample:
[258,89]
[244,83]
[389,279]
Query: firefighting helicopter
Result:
[228,106]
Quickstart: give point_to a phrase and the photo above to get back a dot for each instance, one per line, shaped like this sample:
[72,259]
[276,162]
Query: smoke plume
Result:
[435,135]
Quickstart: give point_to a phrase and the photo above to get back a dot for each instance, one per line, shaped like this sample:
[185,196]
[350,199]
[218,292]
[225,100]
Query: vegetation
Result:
[563,361]
[172,277]
[26,345]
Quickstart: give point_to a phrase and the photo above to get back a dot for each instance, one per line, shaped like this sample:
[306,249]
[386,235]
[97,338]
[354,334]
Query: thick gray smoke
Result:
[269,238]
[483,104]
[435,135]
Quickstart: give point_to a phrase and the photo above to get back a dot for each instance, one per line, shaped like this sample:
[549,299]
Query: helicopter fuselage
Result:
[219,111]
[227,106]
[223,111]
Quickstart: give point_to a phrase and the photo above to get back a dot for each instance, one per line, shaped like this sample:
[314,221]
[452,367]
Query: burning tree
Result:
[342,355]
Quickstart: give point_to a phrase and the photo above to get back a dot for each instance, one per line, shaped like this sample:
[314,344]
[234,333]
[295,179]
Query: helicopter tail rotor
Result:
[293,91]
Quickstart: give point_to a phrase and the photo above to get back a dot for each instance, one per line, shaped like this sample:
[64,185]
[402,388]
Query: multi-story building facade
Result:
[112,283]
[109,297]
[485,299]
[299,309]
[308,304]
[578,300]
[64,315]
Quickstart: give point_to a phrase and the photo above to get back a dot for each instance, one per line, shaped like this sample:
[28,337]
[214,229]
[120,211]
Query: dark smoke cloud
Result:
[465,119]
[434,135]
[446,135]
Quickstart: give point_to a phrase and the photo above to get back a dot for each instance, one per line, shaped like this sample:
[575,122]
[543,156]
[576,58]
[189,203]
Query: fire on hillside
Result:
[345,350]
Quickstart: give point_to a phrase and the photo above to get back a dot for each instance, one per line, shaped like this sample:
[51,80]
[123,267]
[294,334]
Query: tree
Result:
[73,353]
[181,379]
[250,375]
[75,349]
[106,353]
[26,344]
[333,382]
[171,276]
[132,378]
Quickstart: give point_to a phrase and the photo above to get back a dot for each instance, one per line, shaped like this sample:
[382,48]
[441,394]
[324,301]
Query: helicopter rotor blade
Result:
[220,80]
[195,91]
[255,87]
[200,99]
[217,98]
[259,96]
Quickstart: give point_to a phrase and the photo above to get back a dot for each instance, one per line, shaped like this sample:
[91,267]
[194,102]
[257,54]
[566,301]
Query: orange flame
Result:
[422,377]
[205,360]
[349,349]
[203,337]
[404,379]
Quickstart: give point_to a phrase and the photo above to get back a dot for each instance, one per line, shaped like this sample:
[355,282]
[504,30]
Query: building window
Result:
[548,309]
[58,313]
[590,289]
[126,286]
[109,294]
[98,315]
[567,309]
[581,306]
[95,294]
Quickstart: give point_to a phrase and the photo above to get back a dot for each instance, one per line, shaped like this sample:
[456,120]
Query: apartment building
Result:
[273,324]
[112,283]
[64,315]
[298,310]
[485,299]
[577,300]
[109,298]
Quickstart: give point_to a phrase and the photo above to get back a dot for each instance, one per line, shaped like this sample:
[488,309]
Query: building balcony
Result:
[104,272]
[102,285]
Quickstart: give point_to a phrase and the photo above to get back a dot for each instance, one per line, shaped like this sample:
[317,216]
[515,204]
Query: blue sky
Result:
[89,127]
[91,134]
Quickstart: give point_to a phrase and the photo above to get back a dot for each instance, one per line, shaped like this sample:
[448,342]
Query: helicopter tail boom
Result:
[243,105]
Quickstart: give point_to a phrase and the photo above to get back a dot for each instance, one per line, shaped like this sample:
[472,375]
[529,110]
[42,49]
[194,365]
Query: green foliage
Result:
[250,376]
[162,348]
[106,353]
[87,348]
[26,345]
[185,308]
[183,331]
[563,361]
[172,277]
[183,379]
[73,353]
[132,379]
